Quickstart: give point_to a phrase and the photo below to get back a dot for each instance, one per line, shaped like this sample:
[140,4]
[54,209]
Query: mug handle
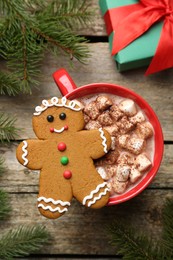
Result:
[64,82]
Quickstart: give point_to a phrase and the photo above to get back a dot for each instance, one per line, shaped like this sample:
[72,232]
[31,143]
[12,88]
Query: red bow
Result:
[139,19]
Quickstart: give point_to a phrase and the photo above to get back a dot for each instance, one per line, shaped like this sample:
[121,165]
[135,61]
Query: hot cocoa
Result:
[132,150]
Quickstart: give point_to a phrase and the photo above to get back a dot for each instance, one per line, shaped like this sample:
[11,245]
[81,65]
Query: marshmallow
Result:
[135,174]
[122,140]
[135,145]
[105,119]
[92,125]
[123,172]
[110,187]
[142,162]
[128,107]
[138,118]
[124,125]
[112,130]
[102,172]
[107,172]
[111,157]
[113,143]
[91,110]
[144,130]
[115,112]
[125,158]
[119,187]
[103,102]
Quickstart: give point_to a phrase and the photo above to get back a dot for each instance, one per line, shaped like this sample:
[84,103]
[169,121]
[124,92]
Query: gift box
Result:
[143,31]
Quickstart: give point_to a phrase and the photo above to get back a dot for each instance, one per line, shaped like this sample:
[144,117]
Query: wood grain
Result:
[20,179]
[101,68]
[83,231]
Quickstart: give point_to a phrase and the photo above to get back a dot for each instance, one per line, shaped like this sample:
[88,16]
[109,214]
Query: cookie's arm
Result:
[29,154]
[98,142]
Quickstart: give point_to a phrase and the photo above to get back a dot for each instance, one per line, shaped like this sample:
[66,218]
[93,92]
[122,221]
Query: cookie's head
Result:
[57,116]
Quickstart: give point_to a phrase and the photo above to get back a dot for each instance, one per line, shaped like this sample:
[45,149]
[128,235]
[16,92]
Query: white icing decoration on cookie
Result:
[25,153]
[59,131]
[90,196]
[55,202]
[55,102]
[104,140]
[98,197]
[52,209]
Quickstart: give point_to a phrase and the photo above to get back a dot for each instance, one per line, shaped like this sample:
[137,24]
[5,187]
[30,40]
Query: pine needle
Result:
[5,207]
[71,14]
[132,246]
[8,131]
[9,85]
[2,168]
[22,241]
[167,219]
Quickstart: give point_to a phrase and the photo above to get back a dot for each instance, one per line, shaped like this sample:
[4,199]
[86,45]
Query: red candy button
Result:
[67,174]
[62,146]
[51,130]
[66,127]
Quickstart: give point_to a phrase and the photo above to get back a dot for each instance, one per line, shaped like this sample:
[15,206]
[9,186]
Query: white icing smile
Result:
[54,130]
[59,131]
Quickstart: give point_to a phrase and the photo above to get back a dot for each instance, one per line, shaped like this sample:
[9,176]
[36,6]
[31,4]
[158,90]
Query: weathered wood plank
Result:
[65,257]
[70,257]
[101,68]
[20,179]
[82,230]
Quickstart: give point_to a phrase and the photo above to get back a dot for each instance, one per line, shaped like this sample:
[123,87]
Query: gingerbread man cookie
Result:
[64,154]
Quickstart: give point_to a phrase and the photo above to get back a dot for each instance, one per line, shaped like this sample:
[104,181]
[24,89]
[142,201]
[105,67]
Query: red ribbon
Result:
[134,20]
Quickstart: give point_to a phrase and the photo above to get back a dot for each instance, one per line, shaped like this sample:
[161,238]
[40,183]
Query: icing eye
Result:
[50,118]
[62,116]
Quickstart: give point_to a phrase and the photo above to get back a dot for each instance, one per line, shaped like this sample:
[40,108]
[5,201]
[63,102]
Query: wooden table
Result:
[81,233]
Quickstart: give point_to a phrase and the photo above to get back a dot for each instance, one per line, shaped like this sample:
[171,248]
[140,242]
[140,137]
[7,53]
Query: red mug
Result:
[69,89]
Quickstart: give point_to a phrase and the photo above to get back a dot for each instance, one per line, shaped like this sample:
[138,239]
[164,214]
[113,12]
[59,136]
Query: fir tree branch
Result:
[28,28]
[71,14]
[5,207]
[63,39]
[8,84]
[25,49]
[22,241]
[132,246]
[167,220]
[8,130]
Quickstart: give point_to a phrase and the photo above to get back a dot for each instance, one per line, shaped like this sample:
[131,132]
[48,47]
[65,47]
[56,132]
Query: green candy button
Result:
[64,160]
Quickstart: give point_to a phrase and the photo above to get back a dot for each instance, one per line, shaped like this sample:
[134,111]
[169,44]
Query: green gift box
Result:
[139,52]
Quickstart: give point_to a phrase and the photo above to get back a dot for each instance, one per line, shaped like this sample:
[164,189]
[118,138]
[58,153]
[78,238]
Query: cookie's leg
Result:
[91,192]
[54,196]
